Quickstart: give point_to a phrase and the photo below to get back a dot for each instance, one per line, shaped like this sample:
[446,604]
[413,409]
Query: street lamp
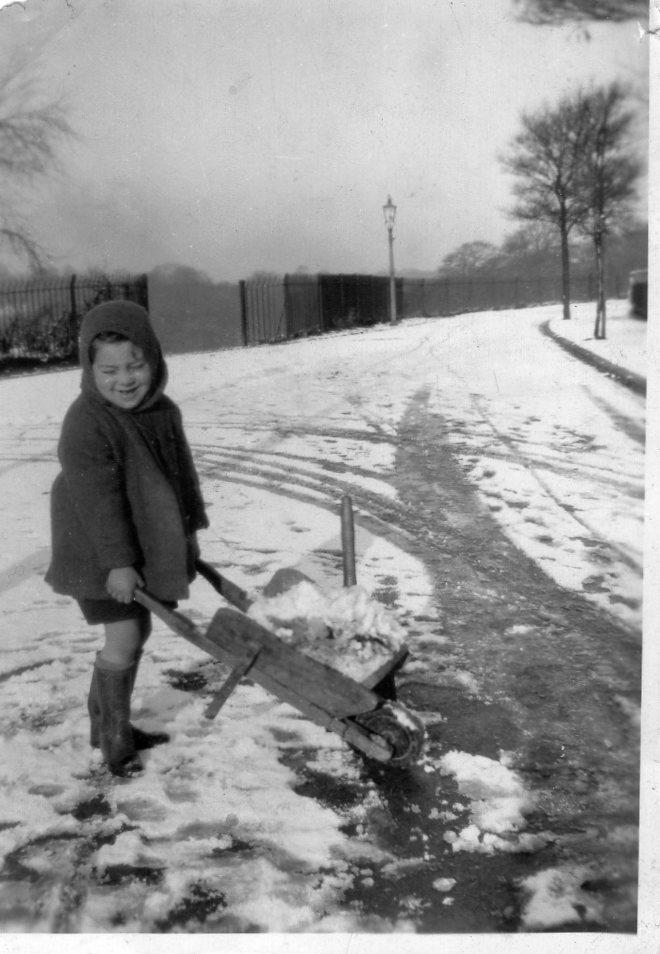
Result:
[389,211]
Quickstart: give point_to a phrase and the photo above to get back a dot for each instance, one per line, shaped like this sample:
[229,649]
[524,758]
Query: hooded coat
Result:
[128,493]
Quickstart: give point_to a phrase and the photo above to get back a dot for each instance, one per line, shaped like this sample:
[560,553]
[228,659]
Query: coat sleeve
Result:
[93,475]
[194,504]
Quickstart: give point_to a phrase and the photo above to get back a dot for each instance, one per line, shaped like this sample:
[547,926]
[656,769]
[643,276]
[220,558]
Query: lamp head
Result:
[389,211]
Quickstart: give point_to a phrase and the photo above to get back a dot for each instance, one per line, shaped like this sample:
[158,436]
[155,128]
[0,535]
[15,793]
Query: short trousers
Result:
[110,611]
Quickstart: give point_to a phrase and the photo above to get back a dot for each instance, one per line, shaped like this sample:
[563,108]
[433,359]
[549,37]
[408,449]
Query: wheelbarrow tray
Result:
[381,728]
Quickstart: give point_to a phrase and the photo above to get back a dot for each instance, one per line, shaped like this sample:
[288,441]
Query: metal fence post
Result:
[288,316]
[73,312]
[244,321]
[143,291]
[319,300]
[286,323]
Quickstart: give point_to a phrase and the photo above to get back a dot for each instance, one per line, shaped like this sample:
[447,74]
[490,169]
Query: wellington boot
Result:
[115,733]
[94,710]
[141,739]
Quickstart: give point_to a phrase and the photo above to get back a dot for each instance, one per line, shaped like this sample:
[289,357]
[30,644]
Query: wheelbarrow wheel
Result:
[403,731]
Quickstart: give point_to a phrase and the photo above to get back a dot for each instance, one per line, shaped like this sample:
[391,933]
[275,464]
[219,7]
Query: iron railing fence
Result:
[355,300]
[40,318]
[443,297]
[302,305]
[263,310]
[279,308]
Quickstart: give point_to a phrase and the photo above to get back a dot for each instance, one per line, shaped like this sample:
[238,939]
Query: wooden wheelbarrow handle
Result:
[177,622]
[185,627]
[230,591]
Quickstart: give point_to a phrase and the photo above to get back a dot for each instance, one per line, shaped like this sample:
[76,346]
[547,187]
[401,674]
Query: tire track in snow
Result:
[16,462]
[554,662]
[524,462]
[30,565]
[315,464]
[20,670]
[521,636]
[621,421]
[380,515]
[550,463]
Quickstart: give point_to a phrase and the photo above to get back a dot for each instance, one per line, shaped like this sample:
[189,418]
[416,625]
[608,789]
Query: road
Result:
[498,489]
[553,676]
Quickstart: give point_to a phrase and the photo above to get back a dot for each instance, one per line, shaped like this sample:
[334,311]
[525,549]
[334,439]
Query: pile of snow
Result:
[499,801]
[556,898]
[345,629]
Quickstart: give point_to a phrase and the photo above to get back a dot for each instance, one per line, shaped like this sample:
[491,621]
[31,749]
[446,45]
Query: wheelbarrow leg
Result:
[386,688]
[382,680]
[233,679]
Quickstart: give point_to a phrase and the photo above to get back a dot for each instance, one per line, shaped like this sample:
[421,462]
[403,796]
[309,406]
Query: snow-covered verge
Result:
[625,341]
[214,833]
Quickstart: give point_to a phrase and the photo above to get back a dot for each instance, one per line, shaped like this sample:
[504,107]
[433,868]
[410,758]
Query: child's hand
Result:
[121,583]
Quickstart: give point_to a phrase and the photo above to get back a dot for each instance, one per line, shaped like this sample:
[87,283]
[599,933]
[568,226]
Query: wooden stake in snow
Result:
[348,540]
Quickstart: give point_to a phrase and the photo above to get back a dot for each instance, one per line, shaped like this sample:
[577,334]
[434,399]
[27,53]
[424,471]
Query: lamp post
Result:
[389,211]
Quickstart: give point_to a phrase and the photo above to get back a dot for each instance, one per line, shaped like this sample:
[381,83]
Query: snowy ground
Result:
[215,825]
[625,341]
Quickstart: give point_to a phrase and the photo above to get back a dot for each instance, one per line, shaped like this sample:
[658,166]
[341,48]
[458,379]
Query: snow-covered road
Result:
[221,832]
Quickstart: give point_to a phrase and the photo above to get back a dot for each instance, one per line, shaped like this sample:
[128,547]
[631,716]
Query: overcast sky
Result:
[248,135]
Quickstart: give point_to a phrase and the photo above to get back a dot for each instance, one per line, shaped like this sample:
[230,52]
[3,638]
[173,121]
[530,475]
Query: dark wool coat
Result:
[128,493]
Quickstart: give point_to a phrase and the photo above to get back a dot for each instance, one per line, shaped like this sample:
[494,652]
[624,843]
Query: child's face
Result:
[121,373]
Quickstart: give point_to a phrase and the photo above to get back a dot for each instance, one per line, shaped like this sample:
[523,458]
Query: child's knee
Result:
[123,641]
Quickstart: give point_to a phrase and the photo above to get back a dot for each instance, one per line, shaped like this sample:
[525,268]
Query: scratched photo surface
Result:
[396,257]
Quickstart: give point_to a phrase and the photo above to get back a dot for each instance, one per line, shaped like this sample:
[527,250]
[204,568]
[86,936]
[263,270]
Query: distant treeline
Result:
[533,251]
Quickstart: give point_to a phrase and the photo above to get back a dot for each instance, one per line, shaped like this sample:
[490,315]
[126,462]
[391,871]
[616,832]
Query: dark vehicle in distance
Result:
[638,285]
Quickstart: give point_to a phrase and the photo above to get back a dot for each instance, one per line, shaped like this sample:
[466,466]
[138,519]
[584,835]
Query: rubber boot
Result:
[114,688]
[94,710]
[141,739]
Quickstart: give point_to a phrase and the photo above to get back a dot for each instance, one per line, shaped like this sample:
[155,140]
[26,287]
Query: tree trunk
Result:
[599,327]
[601,287]
[565,267]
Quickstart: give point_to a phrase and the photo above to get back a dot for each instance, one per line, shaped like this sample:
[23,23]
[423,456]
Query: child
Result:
[124,510]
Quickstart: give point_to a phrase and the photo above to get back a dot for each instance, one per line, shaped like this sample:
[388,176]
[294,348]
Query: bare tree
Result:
[469,258]
[31,128]
[533,241]
[610,172]
[546,159]
[543,12]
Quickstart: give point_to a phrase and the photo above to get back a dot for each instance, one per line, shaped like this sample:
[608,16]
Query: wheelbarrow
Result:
[365,714]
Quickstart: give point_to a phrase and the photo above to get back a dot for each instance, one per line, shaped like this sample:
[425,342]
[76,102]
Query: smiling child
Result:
[125,509]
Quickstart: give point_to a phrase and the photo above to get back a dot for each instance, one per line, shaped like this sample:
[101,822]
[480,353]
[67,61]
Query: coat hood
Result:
[132,321]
